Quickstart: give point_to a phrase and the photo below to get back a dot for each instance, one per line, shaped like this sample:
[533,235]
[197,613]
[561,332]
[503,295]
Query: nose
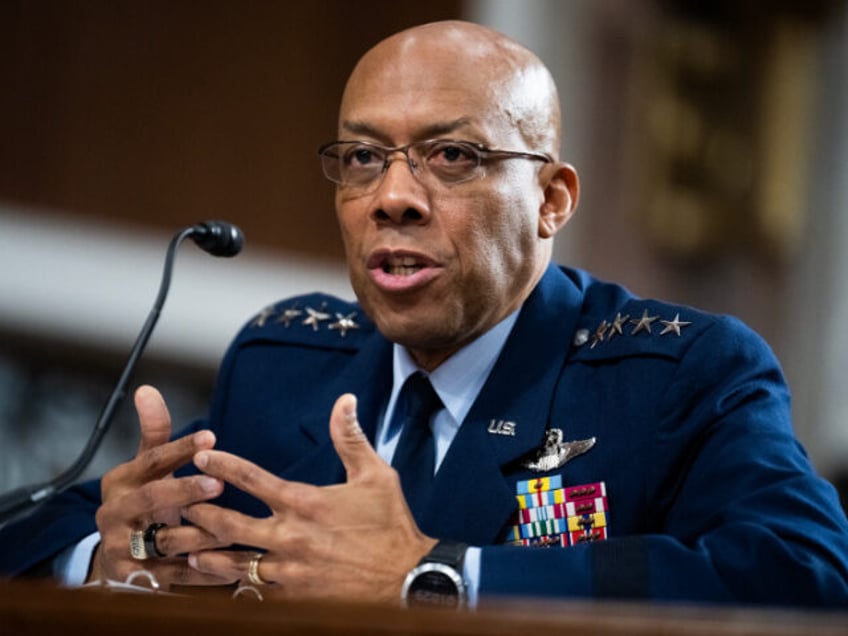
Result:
[400,198]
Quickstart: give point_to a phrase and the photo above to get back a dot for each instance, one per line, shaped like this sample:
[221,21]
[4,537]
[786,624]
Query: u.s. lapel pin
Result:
[502,427]
[555,452]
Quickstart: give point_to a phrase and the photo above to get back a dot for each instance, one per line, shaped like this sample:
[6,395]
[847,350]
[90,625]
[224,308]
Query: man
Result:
[585,443]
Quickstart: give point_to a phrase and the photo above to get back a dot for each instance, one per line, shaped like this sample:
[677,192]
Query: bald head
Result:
[436,261]
[459,59]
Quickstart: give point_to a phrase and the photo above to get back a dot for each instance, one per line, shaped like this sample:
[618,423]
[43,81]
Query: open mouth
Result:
[401,265]
[401,271]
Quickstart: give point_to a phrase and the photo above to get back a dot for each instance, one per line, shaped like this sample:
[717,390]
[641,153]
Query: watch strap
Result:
[450,553]
[438,577]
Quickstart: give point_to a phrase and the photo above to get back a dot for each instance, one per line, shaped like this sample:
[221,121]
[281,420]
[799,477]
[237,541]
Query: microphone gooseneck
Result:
[218,238]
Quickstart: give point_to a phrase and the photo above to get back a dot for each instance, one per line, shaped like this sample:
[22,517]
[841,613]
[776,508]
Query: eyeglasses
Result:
[360,164]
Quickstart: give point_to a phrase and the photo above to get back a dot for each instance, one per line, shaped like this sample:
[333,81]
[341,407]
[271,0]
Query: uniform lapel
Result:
[369,377]
[471,499]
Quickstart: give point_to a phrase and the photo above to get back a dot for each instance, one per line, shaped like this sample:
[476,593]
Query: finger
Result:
[228,526]
[233,564]
[140,505]
[175,540]
[354,449]
[177,571]
[112,560]
[153,417]
[249,477]
[185,575]
[158,462]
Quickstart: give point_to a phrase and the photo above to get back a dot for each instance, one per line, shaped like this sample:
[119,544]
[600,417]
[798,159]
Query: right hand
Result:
[143,491]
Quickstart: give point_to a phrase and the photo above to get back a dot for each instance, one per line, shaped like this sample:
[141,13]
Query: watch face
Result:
[434,584]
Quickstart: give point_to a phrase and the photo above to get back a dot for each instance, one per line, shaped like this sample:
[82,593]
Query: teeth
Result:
[396,270]
[402,261]
[402,266]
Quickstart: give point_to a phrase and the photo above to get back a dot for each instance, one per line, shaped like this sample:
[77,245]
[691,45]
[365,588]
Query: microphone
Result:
[218,238]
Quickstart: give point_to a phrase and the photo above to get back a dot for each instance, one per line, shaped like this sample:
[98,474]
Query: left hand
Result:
[144,490]
[355,540]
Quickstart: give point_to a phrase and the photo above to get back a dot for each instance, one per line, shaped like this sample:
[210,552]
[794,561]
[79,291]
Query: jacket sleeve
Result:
[30,544]
[743,516]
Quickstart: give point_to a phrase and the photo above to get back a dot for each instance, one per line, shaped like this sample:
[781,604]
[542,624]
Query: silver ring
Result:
[151,580]
[137,549]
[242,589]
[143,543]
[253,571]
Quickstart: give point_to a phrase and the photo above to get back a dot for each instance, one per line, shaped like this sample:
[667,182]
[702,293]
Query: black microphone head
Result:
[219,238]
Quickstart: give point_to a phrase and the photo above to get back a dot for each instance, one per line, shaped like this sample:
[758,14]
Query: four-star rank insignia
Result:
[625,325]
[551,515]
[307,316]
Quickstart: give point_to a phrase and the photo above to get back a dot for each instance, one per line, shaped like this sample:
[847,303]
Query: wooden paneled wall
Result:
[168,112]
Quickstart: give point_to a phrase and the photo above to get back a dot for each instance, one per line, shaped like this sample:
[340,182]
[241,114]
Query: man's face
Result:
[437,265]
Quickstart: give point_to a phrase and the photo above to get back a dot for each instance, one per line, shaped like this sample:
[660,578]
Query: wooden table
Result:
[32,608]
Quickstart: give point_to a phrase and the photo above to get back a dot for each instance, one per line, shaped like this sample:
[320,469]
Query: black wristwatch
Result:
[437,580]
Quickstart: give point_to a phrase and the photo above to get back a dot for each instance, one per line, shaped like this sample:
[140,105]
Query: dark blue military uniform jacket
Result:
[708,496]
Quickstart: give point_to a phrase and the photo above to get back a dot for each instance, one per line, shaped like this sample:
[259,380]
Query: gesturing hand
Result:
[355,540]
[143,491]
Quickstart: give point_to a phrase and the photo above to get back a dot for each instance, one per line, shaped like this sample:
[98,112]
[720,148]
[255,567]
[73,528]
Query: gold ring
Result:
[138,551]
[253,570]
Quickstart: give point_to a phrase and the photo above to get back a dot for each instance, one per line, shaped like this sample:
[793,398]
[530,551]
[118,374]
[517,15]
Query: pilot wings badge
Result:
[555,452]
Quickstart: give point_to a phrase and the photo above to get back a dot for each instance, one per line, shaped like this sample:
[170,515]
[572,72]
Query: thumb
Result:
[350,442]
[153,418]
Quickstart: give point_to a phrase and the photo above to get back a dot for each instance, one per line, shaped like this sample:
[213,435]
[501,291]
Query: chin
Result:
[413,333]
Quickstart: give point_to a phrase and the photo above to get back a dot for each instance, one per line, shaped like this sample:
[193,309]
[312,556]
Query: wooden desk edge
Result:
[35,608]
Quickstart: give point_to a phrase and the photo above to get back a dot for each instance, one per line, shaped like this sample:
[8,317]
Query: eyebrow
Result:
[428,132]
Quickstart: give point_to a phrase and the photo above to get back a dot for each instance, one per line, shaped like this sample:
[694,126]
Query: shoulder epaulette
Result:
[639,327]
[314,319]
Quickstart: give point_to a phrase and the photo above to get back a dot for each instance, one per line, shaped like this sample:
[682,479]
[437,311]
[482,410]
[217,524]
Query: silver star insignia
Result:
[643,323]
[288,315]
[262,317]
[673,325]
[343,323]
[315,317]
[616,328]
[555,452]
[599,334]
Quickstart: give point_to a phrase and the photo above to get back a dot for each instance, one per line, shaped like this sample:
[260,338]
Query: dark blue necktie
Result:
[415,455]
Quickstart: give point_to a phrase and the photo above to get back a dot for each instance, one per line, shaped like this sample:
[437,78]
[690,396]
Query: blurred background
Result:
[711,139]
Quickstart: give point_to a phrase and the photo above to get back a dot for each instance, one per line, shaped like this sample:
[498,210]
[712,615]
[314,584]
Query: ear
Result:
[562,191]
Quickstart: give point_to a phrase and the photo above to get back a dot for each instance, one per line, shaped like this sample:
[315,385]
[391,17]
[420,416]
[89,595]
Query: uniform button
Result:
[581,337]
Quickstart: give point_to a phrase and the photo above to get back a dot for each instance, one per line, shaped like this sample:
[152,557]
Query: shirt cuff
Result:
[72,564]
[471,574]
